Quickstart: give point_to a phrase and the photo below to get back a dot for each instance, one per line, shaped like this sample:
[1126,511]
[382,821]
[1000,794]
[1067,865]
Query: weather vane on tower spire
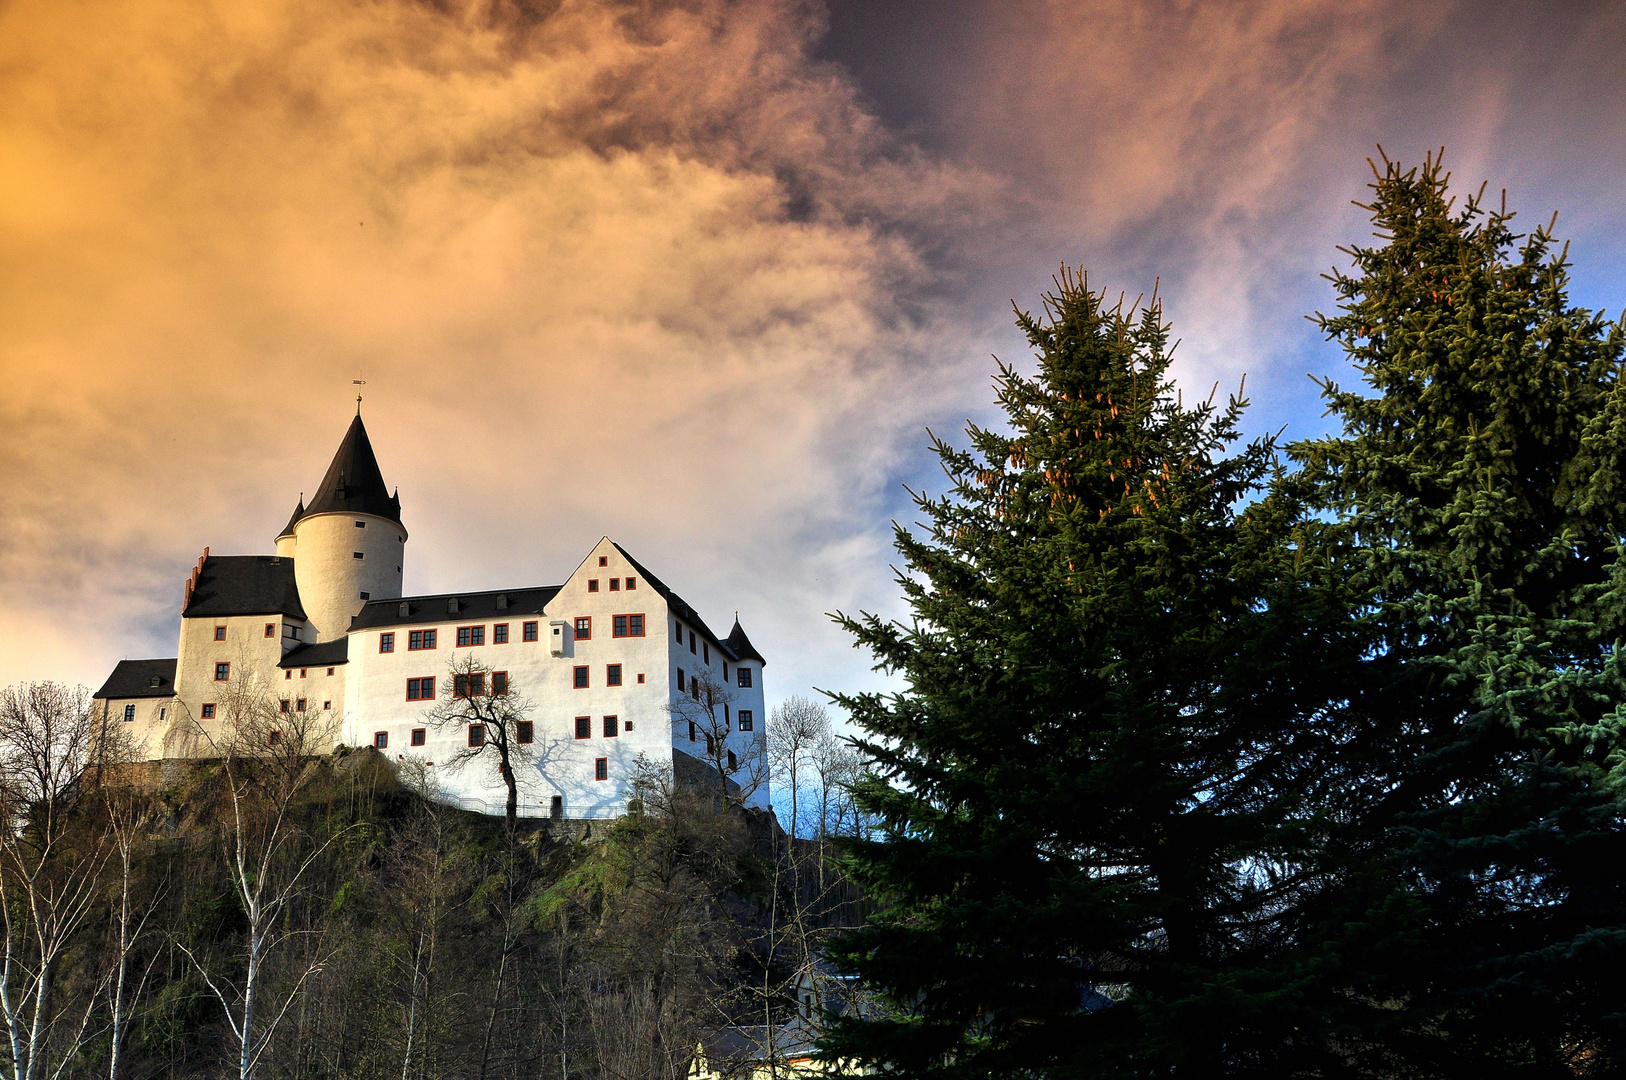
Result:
[358,382]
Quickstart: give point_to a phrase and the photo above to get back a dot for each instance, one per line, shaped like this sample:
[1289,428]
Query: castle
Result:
[612,659]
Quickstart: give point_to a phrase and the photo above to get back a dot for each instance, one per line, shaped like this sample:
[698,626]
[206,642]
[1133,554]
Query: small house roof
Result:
[140,679]
[244,585]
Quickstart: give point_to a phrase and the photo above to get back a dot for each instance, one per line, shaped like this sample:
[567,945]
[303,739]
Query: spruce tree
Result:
[1108,785]
[1475,494]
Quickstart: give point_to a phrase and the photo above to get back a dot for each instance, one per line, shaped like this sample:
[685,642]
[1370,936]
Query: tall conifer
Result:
[1476,494]
[1106,787]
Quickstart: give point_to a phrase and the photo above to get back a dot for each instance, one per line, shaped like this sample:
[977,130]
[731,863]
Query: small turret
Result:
[285,538]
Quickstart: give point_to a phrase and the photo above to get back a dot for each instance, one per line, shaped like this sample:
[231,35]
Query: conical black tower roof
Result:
[741,645]
[299,512]
[353,484]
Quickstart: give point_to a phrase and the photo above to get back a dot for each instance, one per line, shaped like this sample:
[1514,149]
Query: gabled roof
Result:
[245,585]
[353,484]
[679,607]
[741,645]
[321,654]
[140,679]
[471,607]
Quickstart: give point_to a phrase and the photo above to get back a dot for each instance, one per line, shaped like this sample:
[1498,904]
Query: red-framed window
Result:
[632,583]
[477,735]
[326,705]
[524,731]
[421,639]
[584,628]
[270,629]
[615,584]
[746,720]
[601,768]
[471,685]
[640,678]
[529,631]
[304,672]
[286,705]
[386,642]
[381,739]
[420,736]
[604,560]
[612,675]
[288,673]
[584,727]
[592,584]
[222,671]
[612,727]
[626,626]
[220,633]
[580,679]
[499,634]
[627,726]
[469,636]
[273,738]
[742,675]
[208,710]
[499,683]
[421,689]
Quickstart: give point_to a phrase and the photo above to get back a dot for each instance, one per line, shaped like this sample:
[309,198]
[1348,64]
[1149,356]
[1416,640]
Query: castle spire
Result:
[353,483]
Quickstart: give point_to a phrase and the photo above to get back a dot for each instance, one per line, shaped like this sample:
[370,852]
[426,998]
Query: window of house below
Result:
[288,674]
[581,677]
[746,720]
[222,672]
[584,627]
[679,633]
[612,675]
[419,736]
[743,676]
[640,677]
[330,671]
[477,734]
[530,631]
[604,560]
[381,739]
[273,738]
[386,642]
[707,647]
[691,641]
[209,710]
[327,705]
[691,731]
[220,633]
[162,713]
[612,727]
[628,726]
[680,680]
[129,713]
[499,634]
[733,762]
[601,768]
[584,727]
[304,672]
[524,731]
[299,706]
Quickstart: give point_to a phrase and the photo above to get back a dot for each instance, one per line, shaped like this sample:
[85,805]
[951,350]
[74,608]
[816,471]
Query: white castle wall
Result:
[331,578]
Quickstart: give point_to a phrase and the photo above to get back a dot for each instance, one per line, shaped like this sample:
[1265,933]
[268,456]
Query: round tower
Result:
[349,544]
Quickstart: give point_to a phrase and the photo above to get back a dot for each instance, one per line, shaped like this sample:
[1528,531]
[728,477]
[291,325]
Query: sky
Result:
[697,275]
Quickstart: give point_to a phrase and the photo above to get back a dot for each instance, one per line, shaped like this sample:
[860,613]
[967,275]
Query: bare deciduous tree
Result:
[704,715]
[496,717]
[265,754]
[49,874]
[796,727]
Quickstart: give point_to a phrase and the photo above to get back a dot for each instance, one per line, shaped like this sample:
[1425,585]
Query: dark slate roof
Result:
[679,607]
[299,512]
[471,607]
[134,679]
[321,654]
[741,645]
[353,484]
[245,585]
